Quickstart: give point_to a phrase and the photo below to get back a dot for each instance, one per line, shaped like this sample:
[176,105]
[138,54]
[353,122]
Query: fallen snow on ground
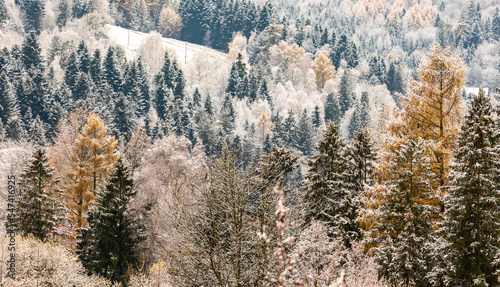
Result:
[131,40]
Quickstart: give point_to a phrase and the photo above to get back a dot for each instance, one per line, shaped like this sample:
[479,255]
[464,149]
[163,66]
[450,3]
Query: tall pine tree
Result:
[404,229]
[39,210]
[330,190]
[108,246]
[472,214]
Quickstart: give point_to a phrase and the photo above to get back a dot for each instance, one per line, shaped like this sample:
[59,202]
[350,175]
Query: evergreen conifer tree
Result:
[36,134]
[82,89]
[472,210]
[32,53]
[363,155]
[316,118]
[360,118]
[330,190]
[209,109]
[495,25]
[394,81]
[196,99]
[144,96]
[72,71]
[112,72]
[332,109]
[14,129]
[96,70]
[64,14]
[290,130]
[345,93]
[39,210]
[32,12]
[83,57]
[304,134]
[124,117]
[112,230]
[404,228]
[227,117]
[8,105]
[34,94]
[265,17]
[3,12]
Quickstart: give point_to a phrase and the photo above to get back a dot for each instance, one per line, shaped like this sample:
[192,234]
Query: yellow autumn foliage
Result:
[324,70]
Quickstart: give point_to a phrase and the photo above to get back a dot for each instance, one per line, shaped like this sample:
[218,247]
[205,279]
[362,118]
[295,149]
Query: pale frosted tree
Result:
[324,70]
[170,179]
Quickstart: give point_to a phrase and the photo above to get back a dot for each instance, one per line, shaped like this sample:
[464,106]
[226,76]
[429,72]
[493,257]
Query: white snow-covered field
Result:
[131,40]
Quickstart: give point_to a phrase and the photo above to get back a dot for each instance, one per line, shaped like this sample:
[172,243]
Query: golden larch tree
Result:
[433,113]
[324,70]
[433,110]
[92,156]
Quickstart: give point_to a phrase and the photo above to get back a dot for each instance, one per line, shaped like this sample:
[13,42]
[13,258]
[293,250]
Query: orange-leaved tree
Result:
[324,70]
[433,110]
[93,155]
[82,155]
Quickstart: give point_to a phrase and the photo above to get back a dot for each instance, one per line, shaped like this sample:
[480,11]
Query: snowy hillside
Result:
[131,40]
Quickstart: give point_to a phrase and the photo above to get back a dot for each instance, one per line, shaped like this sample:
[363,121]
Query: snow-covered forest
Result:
[250,143]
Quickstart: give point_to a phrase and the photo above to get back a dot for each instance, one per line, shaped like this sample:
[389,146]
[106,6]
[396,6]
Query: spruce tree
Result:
[364,156]
[332,109]
[196,99]
[3,12]
[162,94]
[96,70]
[14,129]
[112,72]
[34,94]
[360,118]
[209,109]
[339,52]
[32,12]
[316,118]
[72,71]
[112,230]
[227,117]
[83,57]
[36,133]
[352,58]
[82,89]
[404,227]
[32,53]
[495,25]
[304,135]
[195,20]
[394,82]
[324,38]
[377,68]
[8,105]
[64,14]
[144,97]
[39,210]
[124,117]
[472,212]
[279,133]
[330,189]
[345,93]
[238,79]
[265,17]
[290,130]
[180,83]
